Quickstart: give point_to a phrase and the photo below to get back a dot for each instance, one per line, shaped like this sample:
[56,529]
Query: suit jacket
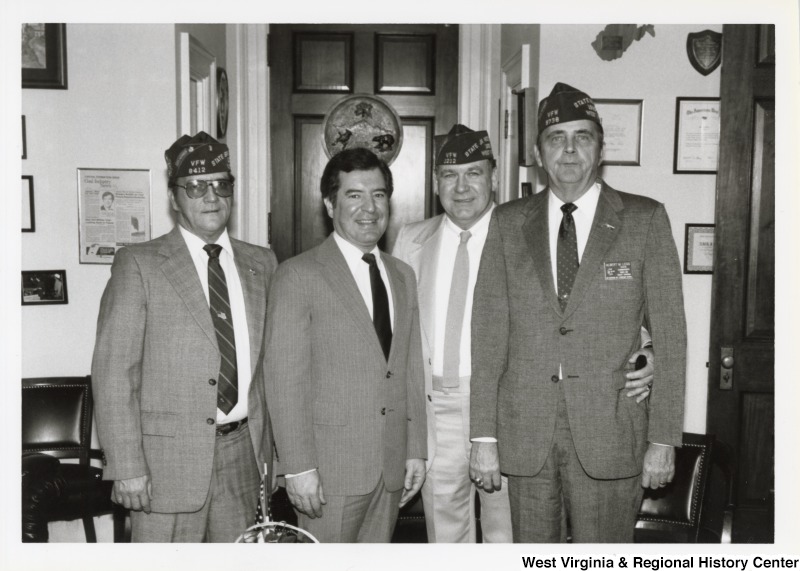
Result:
[520,336]
[155,354]
[417,245]
[337,404]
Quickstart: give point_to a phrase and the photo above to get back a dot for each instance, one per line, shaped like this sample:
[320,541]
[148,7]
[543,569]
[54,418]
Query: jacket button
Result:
[388,374]
[563,331]
[383,411]
[212,382]
[554,378]
[209,421]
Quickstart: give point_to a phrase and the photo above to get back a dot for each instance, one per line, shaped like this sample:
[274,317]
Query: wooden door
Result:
[414,68]
[741,361]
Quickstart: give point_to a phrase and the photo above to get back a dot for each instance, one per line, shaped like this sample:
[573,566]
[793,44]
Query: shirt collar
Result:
[195,243]
[352,254]
[480,227]
[586,203]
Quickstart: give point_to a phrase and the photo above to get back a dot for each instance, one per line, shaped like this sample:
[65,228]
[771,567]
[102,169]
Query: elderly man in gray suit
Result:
[444,252]
[176,374]
[567,277]
[343,366]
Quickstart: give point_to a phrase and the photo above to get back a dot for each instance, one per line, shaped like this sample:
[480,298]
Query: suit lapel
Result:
[338,276]
[536,231]
[180,271]
[426,278]
[251,275]
[399,300]
[605,227]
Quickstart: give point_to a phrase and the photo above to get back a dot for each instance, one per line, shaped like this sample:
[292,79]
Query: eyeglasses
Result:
[199,188]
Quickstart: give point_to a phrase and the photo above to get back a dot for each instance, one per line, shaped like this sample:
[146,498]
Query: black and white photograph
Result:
[406,280]
[44,287]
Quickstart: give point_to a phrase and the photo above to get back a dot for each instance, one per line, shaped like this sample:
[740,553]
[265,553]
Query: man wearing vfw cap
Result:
[176,374]
[567,278]
[446,270]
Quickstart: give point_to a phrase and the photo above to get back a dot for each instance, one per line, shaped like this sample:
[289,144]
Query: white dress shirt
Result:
[583,217]
[448,247]
[239,315]
[360,270]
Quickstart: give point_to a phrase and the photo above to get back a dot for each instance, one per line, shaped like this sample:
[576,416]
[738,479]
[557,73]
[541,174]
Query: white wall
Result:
[657,70]
[120,111]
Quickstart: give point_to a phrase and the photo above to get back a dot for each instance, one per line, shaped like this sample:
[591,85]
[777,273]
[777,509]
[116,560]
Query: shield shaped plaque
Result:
[705,50]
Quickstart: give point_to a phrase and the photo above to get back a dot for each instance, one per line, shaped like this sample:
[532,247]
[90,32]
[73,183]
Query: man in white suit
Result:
[466,182]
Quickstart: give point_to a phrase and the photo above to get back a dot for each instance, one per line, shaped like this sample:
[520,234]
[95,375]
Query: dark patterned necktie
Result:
[380,305]
[219,302]
[567,254]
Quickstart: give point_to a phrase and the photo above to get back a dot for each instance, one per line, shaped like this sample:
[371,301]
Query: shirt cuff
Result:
[299,473]
[659,444]
[483,439]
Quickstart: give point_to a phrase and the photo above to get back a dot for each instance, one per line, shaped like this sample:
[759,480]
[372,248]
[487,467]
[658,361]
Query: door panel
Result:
[741,407]
[312,67]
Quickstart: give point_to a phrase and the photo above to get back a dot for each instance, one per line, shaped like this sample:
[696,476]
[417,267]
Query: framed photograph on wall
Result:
[113,211]
[698,254]
[697,129]
[44,287]
[24,140]
[622,130]
[28,218]
[44,56]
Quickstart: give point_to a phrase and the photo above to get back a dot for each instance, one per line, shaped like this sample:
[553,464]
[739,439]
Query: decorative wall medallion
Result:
[222,102]
[363,121]
[705,50]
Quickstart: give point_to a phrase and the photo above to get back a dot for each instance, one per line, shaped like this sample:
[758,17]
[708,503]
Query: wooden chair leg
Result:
[120,525]
[88,528]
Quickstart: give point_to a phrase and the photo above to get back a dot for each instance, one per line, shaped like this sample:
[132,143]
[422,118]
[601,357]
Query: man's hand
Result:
[415,476]
[484,466]
[639,382]
[659,466]
[133,493]
[305,493]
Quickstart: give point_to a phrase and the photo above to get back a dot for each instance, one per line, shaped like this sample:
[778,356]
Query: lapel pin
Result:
[609,226]
[252,271]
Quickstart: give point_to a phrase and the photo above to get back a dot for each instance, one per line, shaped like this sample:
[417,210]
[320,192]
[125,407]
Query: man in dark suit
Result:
[177,375]
[343,366]
[567,277]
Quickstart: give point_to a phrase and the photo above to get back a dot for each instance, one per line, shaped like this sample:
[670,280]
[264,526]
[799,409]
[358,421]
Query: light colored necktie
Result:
[455,315]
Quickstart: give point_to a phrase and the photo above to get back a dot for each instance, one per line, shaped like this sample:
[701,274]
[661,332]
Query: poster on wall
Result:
[114,211]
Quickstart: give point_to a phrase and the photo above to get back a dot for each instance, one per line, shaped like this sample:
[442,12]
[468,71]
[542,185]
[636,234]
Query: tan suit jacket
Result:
[337,405]
[155,354]
[417,245]
[521,336]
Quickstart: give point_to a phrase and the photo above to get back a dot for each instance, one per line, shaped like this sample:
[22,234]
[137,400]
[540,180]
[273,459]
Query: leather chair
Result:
[680,512]
[57,421]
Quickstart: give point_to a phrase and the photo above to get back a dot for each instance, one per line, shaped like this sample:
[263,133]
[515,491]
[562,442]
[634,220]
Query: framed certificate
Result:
[622,130]
[697,129]
[698,254]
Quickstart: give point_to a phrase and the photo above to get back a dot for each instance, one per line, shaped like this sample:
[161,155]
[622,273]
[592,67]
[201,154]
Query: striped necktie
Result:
[221,315]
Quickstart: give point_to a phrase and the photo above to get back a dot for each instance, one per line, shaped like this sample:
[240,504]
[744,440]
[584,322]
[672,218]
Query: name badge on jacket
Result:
[618,270]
